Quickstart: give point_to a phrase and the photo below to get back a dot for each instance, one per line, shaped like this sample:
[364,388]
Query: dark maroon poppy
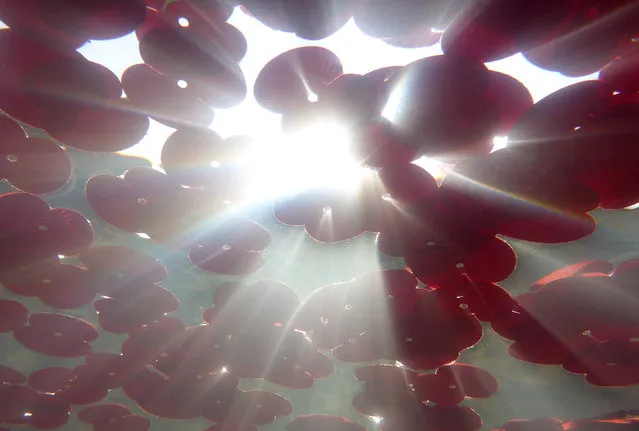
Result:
[380,144]
[162,97]
[22,405]
[147,201]
[13,315]
[486,300]
[103,413]
[10,376]
[290,80]
[323,422]
[200,158]
[234,247]
[106,370]
[33,232]
[57,285]
[309,19]
[57,335]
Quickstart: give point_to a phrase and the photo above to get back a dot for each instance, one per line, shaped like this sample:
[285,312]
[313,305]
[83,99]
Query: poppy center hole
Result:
[430,243]
[226,247]
[12,158]
[409,340]
[459,265]
[324,320]
[463,306]
[348,307]
[57,334]
[183,22]
[451,386]
[111,373]
[182,83]
[43,227]
[610,364]
[142,201]
[46,281]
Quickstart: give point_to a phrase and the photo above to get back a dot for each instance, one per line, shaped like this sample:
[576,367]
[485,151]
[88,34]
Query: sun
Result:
[316,156]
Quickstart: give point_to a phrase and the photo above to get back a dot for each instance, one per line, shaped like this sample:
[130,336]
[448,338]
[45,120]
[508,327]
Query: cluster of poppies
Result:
[581,318]
[566,155]
[407,400]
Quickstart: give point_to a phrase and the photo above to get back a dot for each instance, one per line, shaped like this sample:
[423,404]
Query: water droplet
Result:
[12,158]
[459,265]
[182,83]
[348,307]
[46,281]
[226,247]
[327,210]
[43,227]
[387,197]
[463,306]
[142,201]
[183,22]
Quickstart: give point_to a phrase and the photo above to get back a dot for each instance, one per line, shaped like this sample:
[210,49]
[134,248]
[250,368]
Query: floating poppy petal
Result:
[10,376]
[13,315]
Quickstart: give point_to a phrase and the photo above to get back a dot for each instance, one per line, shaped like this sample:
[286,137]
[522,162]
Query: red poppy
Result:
[623,73]
[452,383]
[532,425]
[162,97]
[380,144]
[57,335]
[22,405]
[107,370]
[147,201]
[311,20]
[287,81]
[234,247]
[147,343]
[13,315]
[434,418]
[203,55]
[198,157]
[446,106]
[486,300]
[23,17]
[104,413]
[68,385]
[10,376]
[93,21]
[388,318]
[143,304]
[323,422]
[57,285]
[388,19]
[33,232]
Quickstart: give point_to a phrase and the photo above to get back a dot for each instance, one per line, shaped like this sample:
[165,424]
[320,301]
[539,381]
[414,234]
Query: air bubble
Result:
[226,247]
[142,201]
[463,306]
[459,265]
[12,158]
[183,22]
[348,307]
[182,83]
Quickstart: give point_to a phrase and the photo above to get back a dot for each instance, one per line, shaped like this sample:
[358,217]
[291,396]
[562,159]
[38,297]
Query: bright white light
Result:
[500,142]
[375,419]
[318,156]
[143,235]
